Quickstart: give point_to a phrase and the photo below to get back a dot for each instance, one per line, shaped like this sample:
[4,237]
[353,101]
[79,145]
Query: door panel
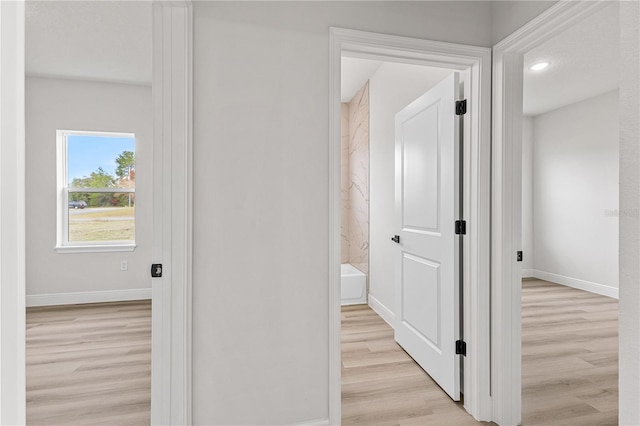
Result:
[427,206]
[420,171]
[421,304]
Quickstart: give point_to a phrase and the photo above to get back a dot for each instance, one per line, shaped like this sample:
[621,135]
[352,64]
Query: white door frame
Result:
[474,62]
[506,199]
[12,214]
[172,206]
[172,106]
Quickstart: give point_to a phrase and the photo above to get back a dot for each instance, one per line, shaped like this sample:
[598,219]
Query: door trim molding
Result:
[506,199]
[12,213]
[475,64]
[172,244]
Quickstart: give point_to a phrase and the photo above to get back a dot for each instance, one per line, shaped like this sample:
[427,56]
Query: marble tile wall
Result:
[344,183]
[355,183]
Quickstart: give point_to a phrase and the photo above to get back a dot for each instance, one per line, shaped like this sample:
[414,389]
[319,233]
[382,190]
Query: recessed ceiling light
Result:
[539,66]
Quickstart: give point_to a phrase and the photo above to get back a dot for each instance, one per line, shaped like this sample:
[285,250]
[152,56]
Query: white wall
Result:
[391,88]
[629,308]
[575,194]
[508,16]
[261,169]
[527,196]
[53,104]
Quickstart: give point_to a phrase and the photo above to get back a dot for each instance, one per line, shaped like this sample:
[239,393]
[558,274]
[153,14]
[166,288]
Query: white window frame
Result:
[63,245]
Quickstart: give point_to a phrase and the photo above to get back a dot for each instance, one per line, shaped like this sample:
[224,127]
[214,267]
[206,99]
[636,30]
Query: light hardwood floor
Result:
[382,385]
[569,356]
[89,364]
[569,363]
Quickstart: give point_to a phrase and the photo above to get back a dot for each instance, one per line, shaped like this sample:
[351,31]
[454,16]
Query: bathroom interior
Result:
[374,367]
[354,197]
[372,92]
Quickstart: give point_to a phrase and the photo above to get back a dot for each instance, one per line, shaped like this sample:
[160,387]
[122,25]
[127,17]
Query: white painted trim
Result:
[102,190]
[172,200]
[604,290]
[551,22]
[385,313]
[12,214]
[48,76]
[334,266]
[474,62]
[95,248]
[506,199]
[527,273]
[319,422]
[63,245]
[88,297]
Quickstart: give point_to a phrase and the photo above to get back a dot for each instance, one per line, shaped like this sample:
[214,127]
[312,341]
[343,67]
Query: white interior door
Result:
[427,206]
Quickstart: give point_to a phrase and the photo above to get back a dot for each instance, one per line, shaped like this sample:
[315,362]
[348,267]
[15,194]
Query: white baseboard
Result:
[592,287]
[319,422]
[88,297]
[527,273]
[380,309]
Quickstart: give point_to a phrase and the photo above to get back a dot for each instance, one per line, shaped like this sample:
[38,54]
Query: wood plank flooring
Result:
[89,364]
[382,385]
[569,356]
[569,372]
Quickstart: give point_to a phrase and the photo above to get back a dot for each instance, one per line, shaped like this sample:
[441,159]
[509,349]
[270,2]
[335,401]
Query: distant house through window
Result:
[96,191]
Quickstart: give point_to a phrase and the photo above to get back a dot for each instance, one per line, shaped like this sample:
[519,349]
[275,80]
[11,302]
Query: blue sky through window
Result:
[86,153]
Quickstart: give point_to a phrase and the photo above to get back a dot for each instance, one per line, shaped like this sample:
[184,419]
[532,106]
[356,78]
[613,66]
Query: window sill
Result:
[111,248]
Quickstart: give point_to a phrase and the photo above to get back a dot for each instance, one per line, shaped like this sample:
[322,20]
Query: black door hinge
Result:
[156,270]
[461,227]
[461,347]
[461,107]
[519,256]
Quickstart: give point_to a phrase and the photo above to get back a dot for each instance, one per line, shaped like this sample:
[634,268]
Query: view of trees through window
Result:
[125,177]
[101,201]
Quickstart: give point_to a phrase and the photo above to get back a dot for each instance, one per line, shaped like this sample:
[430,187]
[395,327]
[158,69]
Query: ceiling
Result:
[111,41]
[584,63]
[354,74]
[91,40]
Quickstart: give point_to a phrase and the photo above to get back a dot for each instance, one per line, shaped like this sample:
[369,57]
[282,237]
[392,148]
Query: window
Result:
[96,191]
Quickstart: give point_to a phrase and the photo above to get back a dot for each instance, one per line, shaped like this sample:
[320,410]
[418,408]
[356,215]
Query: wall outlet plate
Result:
[124,265]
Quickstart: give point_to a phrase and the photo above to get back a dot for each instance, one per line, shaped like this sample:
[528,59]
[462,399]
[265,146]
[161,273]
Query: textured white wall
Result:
[629,361]
[575,191]
[261,169]
[527,196]
[508,16]
[391,88]
[53,104]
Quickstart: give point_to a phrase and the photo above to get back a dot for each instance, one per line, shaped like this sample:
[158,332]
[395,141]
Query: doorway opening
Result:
[89,132]
[471,63]
[570,173]
[376,371]
[509,58]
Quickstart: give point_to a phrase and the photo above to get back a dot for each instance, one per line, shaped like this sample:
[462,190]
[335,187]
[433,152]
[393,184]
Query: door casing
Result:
[474,65]
[12,213]
[173,208]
